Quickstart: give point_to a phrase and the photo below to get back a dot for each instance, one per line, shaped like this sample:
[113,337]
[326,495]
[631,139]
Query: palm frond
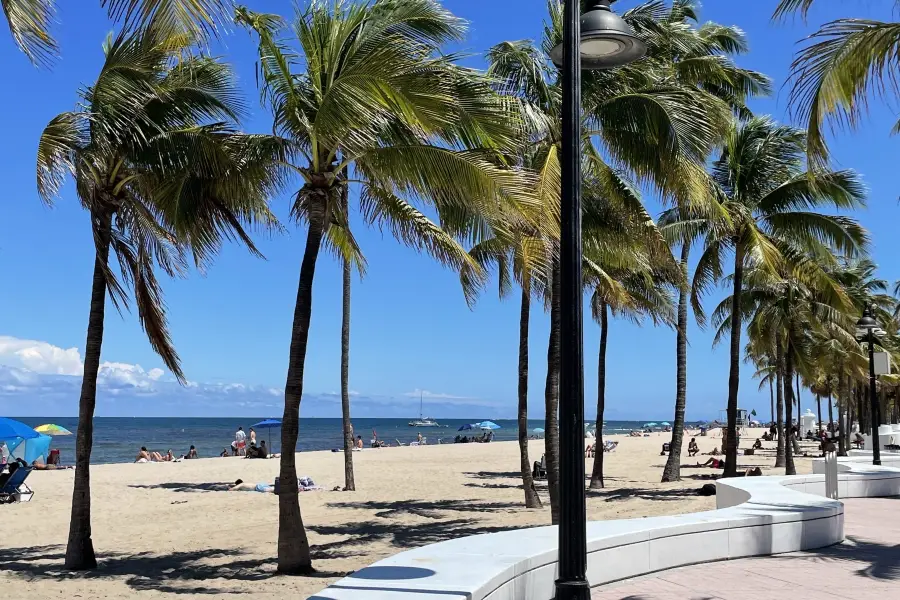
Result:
[845,61]
[29,23]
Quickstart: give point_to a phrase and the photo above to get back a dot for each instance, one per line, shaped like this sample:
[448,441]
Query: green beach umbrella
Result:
[51,429]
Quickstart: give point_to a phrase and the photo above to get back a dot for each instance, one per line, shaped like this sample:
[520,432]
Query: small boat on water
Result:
[423,421]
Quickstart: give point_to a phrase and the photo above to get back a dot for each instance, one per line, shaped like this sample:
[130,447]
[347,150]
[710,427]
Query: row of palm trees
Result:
[463,165]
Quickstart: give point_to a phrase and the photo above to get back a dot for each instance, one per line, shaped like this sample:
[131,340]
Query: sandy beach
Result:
[172,530]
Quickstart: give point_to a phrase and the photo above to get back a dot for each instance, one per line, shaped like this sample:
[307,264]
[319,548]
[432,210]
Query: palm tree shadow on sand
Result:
[208,571]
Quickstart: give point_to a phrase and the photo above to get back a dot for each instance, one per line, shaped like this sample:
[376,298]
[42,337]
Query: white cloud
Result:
[39,357]
[40,378]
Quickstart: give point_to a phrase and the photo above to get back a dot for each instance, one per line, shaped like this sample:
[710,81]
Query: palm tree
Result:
[699,56]
[29,20]
[843,63]
[780,309]
[645,124]
[369,91]
[634,296]
[766,198]
[157,162]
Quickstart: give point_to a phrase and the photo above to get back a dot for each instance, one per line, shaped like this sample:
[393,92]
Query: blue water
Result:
[117,439]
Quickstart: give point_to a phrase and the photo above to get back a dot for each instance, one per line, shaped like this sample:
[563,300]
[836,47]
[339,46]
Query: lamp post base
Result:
[572,590]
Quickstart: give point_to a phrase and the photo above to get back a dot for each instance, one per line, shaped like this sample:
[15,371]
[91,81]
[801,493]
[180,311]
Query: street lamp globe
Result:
[606,40]
[867,324]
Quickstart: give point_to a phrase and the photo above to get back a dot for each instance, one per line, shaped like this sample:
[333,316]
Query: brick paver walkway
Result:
[866,566]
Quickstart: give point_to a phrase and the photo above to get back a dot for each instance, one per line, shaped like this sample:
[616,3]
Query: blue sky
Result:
[412,331]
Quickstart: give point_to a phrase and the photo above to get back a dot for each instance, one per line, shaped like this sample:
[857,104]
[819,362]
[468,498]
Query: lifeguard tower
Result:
[743,418]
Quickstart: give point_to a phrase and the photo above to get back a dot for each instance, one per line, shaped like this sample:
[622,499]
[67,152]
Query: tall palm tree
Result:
[635,296]
[641,122]
[30,20]
[369,91]
[767,199]
[700,56]
[843,63]
[157,162]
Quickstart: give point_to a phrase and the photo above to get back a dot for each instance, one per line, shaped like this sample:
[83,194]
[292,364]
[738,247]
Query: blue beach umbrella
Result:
[468,426]
[269,424]
[666,424]
[15,435]
[538,430]
[488,425]
[650,424]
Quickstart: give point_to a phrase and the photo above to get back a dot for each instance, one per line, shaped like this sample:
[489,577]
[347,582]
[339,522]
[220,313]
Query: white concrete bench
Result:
[755,516]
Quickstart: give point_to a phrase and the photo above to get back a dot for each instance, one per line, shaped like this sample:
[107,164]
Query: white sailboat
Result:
[423,421]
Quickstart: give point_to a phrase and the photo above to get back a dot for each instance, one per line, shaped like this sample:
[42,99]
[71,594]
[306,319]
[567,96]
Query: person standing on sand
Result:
[240,441]
[252,437]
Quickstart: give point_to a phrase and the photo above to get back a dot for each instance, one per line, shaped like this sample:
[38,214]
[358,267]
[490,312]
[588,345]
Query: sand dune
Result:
[170,530]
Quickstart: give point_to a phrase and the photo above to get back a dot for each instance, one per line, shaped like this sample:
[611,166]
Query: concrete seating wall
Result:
[755,516]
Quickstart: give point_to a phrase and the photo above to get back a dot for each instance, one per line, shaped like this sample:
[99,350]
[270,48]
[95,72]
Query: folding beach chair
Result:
[15,490]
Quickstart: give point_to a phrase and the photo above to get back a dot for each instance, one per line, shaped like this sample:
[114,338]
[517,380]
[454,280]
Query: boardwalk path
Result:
[866,566]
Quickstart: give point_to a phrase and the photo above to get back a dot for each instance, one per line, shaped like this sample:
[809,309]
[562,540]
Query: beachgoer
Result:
[192,453]
[224,453]
[240,486]
[713,463]
[143,455]
[757,445]
[589,451]
[157,457]
[693,448]
[359,442]
[419,437]
[169,457]
[252,436]
[240,441]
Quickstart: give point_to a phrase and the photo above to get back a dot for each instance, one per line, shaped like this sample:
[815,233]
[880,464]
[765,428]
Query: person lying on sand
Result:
[240,486]
[713,463]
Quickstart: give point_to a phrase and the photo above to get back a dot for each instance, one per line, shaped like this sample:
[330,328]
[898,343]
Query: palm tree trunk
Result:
[349,483]
[819,411]
[789,468]
[293,546]
[779,402]
[735,367]
[797,376]
[771,402]
[672,470]
[831,415]
[597,470]
[551,398]
[80,546]
[843,408]
[532,500]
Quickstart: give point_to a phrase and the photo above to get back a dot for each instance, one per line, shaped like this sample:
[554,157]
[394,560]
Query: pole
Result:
[572,583]
[876,443]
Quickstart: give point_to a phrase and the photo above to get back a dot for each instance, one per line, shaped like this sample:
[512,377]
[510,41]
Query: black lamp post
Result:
[867,330]
[599,40]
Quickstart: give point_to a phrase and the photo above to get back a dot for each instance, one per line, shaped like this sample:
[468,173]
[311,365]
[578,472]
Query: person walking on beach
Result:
[240,443]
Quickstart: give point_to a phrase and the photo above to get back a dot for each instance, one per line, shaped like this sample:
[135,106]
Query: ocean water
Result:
[117,439]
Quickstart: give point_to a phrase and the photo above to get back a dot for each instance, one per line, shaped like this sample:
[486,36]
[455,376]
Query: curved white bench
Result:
[755,516]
